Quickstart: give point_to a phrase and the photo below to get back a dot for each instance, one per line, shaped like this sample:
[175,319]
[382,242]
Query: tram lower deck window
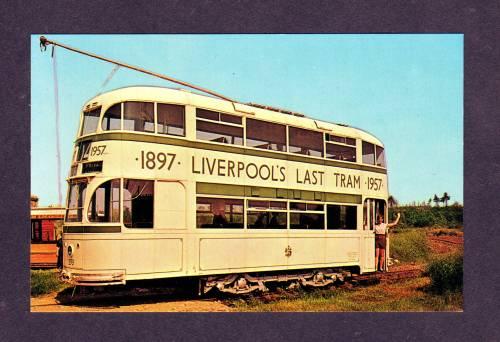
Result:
[341,216]
[219,213]
[105,203]
[138,200]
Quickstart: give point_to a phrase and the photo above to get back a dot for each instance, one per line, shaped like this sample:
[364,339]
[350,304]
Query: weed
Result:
[409,246]
[43,282]
[446,273]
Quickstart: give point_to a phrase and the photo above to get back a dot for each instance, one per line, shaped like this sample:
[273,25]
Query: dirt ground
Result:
[48,303]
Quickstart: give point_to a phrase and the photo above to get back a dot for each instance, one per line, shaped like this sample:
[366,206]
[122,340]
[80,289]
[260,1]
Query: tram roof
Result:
[183,96]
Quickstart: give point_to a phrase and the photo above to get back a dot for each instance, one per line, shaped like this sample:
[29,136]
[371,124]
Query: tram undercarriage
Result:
[249,282]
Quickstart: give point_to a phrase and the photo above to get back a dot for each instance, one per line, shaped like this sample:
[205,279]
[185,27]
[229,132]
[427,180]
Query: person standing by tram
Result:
[381,230]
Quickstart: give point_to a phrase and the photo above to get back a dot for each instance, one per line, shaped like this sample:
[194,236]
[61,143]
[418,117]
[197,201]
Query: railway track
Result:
[95,297]
[446,241]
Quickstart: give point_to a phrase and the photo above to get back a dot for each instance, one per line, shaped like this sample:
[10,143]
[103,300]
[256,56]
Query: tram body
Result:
[166,183]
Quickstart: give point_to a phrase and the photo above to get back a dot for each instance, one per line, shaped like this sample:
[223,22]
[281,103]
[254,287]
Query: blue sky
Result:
[405,89]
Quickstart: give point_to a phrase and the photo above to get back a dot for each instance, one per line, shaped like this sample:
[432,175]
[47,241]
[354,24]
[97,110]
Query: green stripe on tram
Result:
[92,229]
[155,139]
[265,192]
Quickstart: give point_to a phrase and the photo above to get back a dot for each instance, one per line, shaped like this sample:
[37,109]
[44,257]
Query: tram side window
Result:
[380,156]
[138,199]
[368,153]
[219,213]
[266,135]
[105,203]
[228,129]
[171,119]
[138,116]
[90,121]
[76,199]
[307,216]
[341,216]
[112,118]
[303,141]
[336,148]
[266,214]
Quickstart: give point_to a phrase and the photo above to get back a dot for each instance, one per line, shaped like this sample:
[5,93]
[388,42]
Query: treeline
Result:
[426,216]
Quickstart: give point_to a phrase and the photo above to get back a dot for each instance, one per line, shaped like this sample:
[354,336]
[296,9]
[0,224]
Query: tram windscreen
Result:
[90,121]
[76,199]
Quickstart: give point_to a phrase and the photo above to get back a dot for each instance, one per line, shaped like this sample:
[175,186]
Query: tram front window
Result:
[90,121]
[112,118]
[105,203]
[138,199]
[76,199]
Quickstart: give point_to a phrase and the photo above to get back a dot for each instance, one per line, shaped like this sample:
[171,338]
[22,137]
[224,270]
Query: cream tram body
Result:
[151,171]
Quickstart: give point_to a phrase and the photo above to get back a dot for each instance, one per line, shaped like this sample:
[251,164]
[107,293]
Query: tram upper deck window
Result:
[380,156]
[138,199]
[266,135]
[341,216]
[171,119]
[105,203]
[221,128]
[219,213]
[303,141]
[337,148]
[139,116]
[368,153]
[112,118]
[90,121]
[76,199]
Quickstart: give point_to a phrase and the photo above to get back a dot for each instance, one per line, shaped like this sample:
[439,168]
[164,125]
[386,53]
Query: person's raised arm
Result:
[389,225]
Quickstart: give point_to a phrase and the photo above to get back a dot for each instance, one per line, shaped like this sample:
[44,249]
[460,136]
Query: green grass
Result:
[409,295]
[45,281]
[409,246]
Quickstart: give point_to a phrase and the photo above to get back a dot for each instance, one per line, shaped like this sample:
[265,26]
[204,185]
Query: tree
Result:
[445,199]
[429,202]
[436,200]
[392,201]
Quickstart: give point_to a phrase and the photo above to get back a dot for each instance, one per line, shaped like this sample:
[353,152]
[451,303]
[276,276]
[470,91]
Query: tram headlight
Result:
[70,250]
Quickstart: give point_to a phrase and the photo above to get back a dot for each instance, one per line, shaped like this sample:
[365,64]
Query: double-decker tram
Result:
[168,183]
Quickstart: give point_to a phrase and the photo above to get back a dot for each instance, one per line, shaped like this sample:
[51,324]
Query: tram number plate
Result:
[71,261]
[151,160]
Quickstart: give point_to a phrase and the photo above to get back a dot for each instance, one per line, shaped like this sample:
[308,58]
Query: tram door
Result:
[170,205]
[169,218]
[372,209]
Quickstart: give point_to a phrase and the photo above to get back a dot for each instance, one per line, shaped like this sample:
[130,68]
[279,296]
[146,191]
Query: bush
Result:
[409,246]
[43,282]
[446,273]
[425,216]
